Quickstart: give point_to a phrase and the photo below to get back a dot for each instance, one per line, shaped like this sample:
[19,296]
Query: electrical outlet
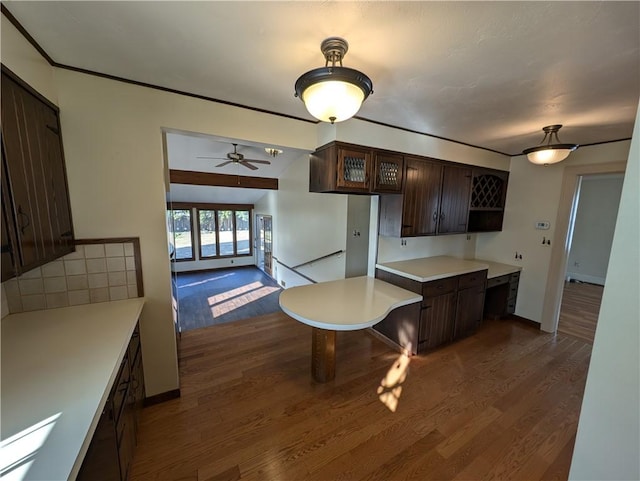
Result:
[283,283]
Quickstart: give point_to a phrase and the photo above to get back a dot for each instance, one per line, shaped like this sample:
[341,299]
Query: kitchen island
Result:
[343,305]
[58,367]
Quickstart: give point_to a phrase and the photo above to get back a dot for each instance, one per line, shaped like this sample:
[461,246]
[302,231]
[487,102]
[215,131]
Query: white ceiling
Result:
[489,74]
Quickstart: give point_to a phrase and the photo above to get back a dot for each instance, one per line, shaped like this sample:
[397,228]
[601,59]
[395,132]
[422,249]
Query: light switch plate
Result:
[543,225]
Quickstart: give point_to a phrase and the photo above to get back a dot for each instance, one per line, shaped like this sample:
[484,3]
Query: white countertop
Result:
[57,369]
[427,269]
[345,304]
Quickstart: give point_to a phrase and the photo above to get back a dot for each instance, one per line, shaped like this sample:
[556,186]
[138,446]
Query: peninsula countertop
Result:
[345,304]
[427,269]
[57,368]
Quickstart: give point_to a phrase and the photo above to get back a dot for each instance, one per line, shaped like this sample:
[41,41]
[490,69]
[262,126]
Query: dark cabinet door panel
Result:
[468,311]
[436,320]
[421,197]
[454,206]
[36,198]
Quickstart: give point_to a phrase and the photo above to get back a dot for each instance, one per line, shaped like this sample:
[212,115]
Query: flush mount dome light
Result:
[333,93]
[549,153]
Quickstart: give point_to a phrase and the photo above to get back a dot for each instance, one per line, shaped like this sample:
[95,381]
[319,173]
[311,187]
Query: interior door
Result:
[267,226]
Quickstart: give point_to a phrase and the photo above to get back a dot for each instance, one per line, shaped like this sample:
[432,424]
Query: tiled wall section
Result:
[93,273]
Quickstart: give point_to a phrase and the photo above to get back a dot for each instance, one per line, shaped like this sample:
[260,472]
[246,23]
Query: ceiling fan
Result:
[237,158]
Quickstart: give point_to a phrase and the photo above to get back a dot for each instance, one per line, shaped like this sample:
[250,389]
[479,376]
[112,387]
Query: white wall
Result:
[608,438]
[305,226]
[459,245]
[593,228]
[25,61]
[533,195]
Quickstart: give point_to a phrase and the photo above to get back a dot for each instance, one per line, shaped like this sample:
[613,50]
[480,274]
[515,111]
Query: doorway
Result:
[264,243]
[590,237]
[560,249]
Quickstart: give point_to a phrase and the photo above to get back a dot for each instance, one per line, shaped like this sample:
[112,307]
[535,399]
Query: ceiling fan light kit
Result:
[546,154]
[272,151]
[333,93]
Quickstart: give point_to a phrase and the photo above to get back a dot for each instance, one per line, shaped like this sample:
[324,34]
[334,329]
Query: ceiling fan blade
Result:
[214,158]
[225,163]
[249,166]
[265,162]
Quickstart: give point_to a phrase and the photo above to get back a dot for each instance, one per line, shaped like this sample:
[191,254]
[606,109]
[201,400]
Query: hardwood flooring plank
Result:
[502,404]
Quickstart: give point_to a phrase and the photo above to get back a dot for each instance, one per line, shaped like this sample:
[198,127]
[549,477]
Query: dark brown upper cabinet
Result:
[488,199]
[35,197]
[388,171]
[343,168]
[415,212]
[352,169]
[454,201]
[435,200]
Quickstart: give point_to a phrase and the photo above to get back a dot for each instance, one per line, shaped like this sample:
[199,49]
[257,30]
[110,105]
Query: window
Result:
[226,232]
[243,233]
[222,230]
[180,228]
[208,233]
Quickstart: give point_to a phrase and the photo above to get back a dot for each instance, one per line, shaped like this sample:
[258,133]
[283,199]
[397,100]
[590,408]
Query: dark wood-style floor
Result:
[225,295]
[580,309]
[502,404]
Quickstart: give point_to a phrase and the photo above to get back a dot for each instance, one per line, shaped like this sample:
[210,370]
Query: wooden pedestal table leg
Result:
[323,355]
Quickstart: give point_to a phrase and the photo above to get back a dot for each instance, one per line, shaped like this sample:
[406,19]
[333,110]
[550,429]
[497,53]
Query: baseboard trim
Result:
[162,397]
[524,320]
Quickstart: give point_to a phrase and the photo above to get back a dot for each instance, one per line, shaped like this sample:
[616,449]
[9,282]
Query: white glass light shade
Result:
[548,156]
[333,100]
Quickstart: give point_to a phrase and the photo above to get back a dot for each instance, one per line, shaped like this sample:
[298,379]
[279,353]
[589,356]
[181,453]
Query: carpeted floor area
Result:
[225,295]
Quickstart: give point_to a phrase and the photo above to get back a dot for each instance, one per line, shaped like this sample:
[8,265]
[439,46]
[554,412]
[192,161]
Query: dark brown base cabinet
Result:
[452,308]
[109,455]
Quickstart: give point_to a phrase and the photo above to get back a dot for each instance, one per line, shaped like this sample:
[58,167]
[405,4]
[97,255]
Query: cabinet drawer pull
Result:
[435,216]
[66,234]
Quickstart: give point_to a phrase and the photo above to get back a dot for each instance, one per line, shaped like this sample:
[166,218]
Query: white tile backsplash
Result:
[118,293]
[115,264]
[92,251]
[98,280]
[114,250]
[56,300]
[117,278]
[34,302]
[53,269]
[96,265]
[75,283]
[75,267]
[30,286]
[93,273]
[79,297]
[99,295]
[55,284]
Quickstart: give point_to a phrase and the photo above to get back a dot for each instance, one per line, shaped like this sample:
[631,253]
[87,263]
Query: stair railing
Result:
[295,268]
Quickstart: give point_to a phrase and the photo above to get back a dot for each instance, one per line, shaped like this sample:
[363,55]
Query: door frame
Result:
[560,249]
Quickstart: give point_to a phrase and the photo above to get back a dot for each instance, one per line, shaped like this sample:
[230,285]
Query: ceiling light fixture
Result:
[333,93]
[550,153]
[272,151]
